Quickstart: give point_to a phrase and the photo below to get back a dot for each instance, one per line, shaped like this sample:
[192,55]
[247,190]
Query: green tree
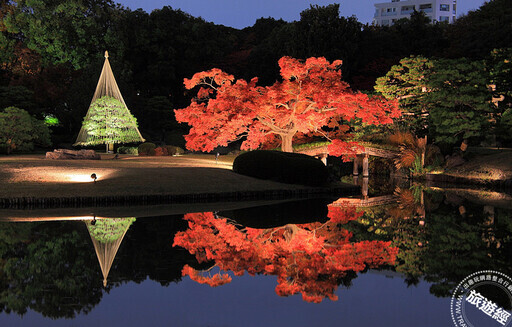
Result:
[480,31]
[17,96]
[19,131]
[320,32]
[61,31]
[108,121]
[446,98]
[158,118]
[458,100]
[500,68]
[7,42]
[407,82]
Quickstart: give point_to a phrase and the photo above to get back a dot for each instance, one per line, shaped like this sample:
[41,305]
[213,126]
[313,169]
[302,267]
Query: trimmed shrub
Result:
[174,150]
[161,151]
[292,168]
[128,150]
[147,149]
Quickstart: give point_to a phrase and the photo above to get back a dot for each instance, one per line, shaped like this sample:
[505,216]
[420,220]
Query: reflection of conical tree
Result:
[107,235]
[108,119]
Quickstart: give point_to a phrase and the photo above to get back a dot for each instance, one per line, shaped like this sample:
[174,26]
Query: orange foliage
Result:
[310,97]
[213,281]
[346,150]
[161,151]
[310,259]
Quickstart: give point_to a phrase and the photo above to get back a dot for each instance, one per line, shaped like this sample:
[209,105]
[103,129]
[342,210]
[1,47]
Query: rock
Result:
[60,154]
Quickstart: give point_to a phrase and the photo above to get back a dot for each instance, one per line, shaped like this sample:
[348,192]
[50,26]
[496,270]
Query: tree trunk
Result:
[286,142]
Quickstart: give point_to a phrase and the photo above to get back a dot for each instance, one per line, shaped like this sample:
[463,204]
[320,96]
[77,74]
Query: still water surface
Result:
[388,260]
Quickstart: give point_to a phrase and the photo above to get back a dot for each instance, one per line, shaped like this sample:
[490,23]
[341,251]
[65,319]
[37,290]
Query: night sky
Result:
[243,13]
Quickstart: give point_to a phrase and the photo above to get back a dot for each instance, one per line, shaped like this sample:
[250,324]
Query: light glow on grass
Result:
[60,175]
[81,178]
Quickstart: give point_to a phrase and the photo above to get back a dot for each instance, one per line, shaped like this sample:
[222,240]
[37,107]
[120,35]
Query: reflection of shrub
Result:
[128,150]
[147,149]
[293,168]
[109,230]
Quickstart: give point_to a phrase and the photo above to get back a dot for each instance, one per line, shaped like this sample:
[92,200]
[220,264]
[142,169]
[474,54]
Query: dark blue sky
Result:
[243,13]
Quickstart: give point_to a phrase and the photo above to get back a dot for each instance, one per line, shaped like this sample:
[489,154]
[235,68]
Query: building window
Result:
[454,8]
[406,9]
[427,7]
[444,19]
[389,12]
[443,7]
[395,0]
[385,22]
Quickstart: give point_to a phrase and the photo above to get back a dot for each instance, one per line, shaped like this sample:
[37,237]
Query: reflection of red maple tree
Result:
[310,97]
[310,259]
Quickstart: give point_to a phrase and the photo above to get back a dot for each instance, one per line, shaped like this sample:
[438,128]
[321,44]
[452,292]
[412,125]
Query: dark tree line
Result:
[52,52]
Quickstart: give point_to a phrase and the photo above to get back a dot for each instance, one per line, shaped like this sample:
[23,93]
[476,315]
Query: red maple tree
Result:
[311,98]
[311,259]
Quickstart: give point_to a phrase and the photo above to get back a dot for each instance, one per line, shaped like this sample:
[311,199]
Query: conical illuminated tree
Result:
[108,119]
[106,236]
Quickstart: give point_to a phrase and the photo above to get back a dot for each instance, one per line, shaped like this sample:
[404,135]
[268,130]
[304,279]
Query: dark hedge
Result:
[284,167]
[147,149]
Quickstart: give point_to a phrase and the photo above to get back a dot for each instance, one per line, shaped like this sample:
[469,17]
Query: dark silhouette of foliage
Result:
[476,34]
[291,168]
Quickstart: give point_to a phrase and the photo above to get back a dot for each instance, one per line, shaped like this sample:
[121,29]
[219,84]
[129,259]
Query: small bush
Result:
[20,132]
[128,150]
[174,150]
[161,151]
[292,168]
[147,149]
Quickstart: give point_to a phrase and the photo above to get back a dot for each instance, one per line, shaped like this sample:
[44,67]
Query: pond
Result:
[393,258]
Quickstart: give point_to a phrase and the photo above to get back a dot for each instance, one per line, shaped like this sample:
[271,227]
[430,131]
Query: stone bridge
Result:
[365,201]
[321,152]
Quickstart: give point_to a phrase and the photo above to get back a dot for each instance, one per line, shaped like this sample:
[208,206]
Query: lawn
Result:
[35,177]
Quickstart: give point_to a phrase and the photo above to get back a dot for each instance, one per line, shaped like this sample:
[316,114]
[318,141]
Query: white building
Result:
[437,10]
